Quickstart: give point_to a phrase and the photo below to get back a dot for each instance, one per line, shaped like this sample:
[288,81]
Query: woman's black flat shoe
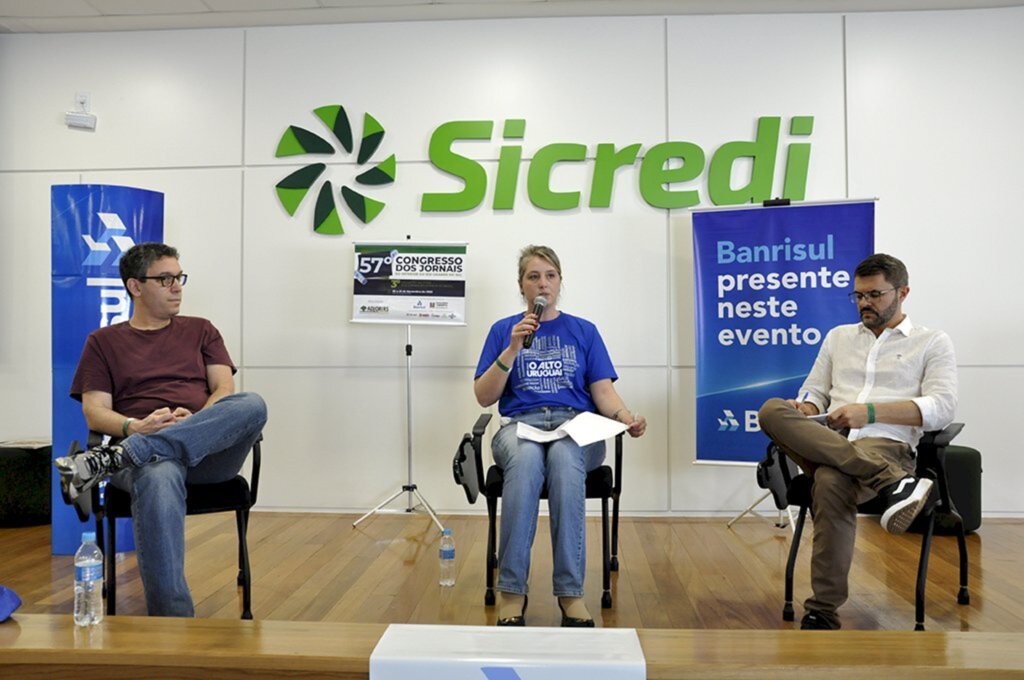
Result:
[573,622]
[519,620]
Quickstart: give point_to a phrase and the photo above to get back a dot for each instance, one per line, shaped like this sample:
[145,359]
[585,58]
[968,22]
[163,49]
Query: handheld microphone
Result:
[539,303]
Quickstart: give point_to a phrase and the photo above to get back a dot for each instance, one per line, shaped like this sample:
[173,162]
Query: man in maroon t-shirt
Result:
[165,383]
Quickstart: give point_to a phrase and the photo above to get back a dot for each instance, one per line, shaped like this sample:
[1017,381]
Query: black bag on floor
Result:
[963,475]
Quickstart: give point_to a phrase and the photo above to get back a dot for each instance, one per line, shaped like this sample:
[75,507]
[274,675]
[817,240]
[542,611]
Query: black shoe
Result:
[81,470]
[816,621]
[572,621]
[904,500]
[519,620]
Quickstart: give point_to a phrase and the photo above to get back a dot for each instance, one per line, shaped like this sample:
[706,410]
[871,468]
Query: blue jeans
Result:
[209,446]
[527,465]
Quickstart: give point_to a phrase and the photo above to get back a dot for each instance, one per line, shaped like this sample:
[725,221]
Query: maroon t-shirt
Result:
[147,370]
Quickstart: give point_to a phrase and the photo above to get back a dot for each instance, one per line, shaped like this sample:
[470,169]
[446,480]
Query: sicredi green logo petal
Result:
[298,141]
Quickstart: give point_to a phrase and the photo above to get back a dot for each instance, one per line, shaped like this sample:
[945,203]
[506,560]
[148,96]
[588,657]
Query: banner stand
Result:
[409,487]
[785,516]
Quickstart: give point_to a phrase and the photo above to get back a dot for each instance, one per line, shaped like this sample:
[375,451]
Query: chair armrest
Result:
[941,438]
[480,426]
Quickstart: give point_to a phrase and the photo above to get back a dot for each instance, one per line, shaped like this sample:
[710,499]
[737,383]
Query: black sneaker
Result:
[81,470]
[817,621]
[904,500]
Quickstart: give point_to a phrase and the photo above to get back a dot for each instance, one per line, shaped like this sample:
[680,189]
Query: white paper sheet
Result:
[586,428]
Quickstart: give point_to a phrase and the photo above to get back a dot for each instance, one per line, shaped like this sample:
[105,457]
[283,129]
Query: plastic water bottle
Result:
[447,554]
[88,581]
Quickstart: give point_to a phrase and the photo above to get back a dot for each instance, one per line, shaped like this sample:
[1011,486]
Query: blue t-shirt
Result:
[567,356]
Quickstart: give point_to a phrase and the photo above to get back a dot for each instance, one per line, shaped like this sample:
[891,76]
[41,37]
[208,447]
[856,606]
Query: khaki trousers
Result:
[845,473]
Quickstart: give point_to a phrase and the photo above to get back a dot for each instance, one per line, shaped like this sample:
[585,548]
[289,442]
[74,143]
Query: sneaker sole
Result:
[75,497]
[897,518]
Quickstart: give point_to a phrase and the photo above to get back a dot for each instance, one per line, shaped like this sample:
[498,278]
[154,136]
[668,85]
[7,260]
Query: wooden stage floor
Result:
[706,599]
[680,573]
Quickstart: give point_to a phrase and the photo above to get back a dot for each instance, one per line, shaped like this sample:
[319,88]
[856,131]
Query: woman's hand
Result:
[637,426]
[529,324]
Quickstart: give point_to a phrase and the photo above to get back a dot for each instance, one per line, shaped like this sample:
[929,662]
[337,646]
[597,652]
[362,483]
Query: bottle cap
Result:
[88,536]
[447,532]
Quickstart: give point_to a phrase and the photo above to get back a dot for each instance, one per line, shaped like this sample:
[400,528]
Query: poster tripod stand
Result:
[781,522]
[409,487]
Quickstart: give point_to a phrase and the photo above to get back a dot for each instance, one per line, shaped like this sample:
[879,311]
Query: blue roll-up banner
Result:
[769,283]
[92,225]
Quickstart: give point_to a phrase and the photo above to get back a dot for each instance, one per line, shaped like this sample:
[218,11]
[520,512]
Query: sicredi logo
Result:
[298,141]
[665,169]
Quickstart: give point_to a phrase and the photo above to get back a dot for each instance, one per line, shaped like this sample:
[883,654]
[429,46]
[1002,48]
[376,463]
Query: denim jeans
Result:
[527,465]
[209,446]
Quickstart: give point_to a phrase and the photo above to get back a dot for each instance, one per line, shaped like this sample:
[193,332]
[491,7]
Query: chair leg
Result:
[111,564]
[615,534]
[794,548]
[242,519]
[962,596]
[606,557]
[492,558]
[922,573]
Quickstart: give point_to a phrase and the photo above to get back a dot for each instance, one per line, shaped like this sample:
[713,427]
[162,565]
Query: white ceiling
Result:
[63,16]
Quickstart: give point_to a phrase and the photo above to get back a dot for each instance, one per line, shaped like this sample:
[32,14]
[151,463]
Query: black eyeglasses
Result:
[856,297]
[166,279]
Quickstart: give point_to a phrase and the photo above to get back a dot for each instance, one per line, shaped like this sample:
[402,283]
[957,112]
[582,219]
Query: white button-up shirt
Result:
[904,363]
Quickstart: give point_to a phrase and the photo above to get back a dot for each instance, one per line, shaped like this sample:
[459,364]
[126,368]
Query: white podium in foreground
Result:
[492,653]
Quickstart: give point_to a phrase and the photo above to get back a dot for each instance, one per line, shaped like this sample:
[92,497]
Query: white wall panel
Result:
[573,80]
[25,375]
[335,438]
[163,98]
[613,263]
[989,396]
[202,219]
[935,115]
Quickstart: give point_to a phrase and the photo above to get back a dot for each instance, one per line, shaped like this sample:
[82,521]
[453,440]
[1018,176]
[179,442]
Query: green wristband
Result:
[124,426]
[871,413]
[501,366]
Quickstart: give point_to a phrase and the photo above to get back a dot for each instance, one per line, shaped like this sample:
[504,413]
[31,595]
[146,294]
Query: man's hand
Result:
[851,416]
[155,421]
[805,407]
[181,413]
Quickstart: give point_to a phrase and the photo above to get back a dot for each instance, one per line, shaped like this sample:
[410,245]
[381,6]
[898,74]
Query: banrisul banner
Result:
[769,284]
[409,282]
[92,225]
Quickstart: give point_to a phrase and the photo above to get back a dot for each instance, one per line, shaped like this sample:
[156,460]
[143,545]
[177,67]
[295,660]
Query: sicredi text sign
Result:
[667,174]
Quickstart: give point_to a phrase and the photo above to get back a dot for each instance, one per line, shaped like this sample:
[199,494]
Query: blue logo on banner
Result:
[769,285]
[500,673]
[100,250]
[91,227]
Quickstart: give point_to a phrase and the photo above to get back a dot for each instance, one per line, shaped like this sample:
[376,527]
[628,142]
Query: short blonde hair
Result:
[543,252]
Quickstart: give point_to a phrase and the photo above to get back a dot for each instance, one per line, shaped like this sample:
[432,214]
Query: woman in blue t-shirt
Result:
[565,370]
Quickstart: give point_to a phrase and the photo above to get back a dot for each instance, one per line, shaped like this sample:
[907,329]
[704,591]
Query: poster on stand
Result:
[410,282]
[769,283]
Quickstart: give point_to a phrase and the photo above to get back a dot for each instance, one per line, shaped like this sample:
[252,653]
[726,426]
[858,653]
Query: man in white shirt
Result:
[883,382]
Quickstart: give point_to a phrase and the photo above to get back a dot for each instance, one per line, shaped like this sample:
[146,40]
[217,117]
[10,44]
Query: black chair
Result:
[235,495]
[931,452]
[601,483]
